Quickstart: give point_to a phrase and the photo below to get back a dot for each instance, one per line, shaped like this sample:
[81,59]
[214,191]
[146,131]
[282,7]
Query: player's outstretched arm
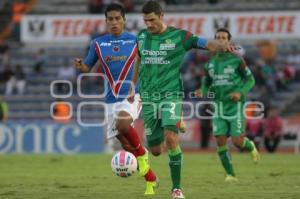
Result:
[214,46]
[81,66]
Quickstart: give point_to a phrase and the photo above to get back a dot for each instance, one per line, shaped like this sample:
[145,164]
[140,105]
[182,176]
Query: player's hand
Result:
[237,50]
[197,93]
[78,63]
[235,96]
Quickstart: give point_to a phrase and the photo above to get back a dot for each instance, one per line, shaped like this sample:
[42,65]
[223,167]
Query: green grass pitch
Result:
[90,176]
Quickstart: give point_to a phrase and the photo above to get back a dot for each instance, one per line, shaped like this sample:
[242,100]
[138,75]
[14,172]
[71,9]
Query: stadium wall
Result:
[243,26]
[48,137]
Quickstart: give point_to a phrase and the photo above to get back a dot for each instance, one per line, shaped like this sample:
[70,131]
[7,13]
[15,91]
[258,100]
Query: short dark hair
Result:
[115,7]
[152,6]
[224,30]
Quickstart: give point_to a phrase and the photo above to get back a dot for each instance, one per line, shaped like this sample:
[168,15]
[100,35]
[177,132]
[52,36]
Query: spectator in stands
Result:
[61,112]
[294,58]
[285,75]
[254,125]
[4,57]
[41,61]
[260,80]
[272,130]
[265,99]
[128,5]
[3,110]
[16,80]
[269,75]
[67,72]
[6,74]
[95,6]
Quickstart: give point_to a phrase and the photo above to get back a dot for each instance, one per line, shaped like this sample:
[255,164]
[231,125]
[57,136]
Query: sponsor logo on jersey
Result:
[115,58]
[167,47]
[155,60]
[123,42]
[154,52]
[228,70]
[112,42]
[105,44]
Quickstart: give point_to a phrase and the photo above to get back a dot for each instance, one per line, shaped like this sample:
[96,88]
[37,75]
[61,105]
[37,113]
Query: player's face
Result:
[222,37]
[153,22]
[115,22]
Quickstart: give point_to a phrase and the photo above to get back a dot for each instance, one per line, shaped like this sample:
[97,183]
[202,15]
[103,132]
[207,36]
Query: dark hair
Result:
[115,7]
[152,6]
[224,30]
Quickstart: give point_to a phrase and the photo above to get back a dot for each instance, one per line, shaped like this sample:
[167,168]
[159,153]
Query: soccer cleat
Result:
[182,126]
[177,194]
[143,164]
[230,178]
[254,153]
[150,186]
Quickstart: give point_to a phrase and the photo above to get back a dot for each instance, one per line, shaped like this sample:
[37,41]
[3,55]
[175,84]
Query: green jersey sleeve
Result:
[189,40]
[247,76]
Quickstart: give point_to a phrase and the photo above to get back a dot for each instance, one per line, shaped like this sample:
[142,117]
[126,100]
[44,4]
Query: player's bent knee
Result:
[156,151]
[237,142]
[122,126]
[221,140]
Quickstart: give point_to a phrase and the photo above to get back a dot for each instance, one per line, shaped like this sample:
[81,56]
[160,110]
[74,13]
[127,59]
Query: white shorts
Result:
[113,109]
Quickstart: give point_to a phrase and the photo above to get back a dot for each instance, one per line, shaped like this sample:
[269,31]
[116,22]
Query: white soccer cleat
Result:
[177,194]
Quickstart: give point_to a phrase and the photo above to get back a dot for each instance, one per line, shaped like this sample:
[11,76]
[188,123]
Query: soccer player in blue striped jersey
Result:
[116,52]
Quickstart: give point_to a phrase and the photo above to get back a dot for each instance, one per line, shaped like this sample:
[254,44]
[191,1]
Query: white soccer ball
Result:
[124,164]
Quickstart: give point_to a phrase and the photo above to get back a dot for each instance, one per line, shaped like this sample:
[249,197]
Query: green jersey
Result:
[227,73]
[161,56]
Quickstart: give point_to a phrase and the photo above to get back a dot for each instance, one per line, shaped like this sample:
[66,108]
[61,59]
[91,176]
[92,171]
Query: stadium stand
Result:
[36,101]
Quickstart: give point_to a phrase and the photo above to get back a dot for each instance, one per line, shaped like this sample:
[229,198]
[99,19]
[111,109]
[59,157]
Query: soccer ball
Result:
[124,164]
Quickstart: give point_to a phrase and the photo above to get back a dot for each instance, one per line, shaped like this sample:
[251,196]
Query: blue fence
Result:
[49,137]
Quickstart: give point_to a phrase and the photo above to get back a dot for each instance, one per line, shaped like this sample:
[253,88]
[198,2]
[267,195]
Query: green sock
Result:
[175,157]
[226,159]
[247,145]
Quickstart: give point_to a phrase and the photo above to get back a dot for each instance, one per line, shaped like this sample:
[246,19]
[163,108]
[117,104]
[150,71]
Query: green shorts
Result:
[233,126]
[160,116]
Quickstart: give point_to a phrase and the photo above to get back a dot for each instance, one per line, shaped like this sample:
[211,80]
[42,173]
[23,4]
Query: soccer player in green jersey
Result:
[161,51]
[228,79]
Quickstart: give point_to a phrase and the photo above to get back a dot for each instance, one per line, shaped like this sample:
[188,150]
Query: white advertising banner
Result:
[249,25]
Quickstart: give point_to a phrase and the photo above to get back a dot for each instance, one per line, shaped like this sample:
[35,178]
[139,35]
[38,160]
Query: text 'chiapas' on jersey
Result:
[161,57]
[116,55]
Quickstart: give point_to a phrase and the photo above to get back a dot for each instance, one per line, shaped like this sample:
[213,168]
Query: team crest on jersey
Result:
[211,65]
[116,48]
[142,36]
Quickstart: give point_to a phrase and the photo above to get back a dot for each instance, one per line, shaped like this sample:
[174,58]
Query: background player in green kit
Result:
[229,80]
[161,51]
